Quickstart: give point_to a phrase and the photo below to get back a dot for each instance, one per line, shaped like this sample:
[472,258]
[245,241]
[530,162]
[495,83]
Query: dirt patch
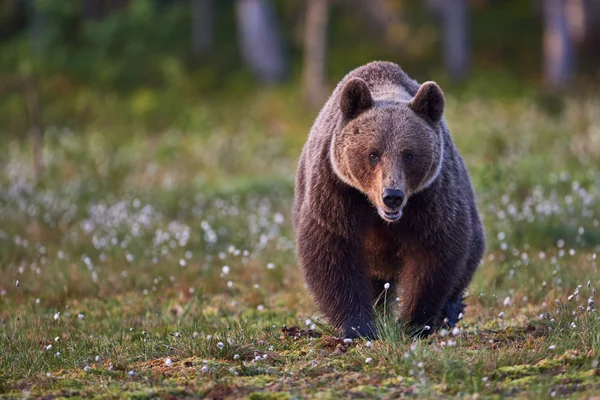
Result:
[296,333]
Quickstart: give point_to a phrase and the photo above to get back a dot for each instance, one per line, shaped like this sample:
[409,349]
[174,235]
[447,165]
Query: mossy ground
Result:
[137,249]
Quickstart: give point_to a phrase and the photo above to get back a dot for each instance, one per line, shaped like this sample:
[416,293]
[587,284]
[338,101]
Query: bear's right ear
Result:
[356,98]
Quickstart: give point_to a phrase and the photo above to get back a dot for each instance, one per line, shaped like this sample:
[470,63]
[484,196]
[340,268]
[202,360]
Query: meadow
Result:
[162,264]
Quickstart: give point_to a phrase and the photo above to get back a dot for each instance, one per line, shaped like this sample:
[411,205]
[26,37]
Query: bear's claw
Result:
[452,309]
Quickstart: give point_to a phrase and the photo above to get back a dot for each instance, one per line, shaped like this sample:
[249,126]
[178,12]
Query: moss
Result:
[573,357]
[516,371]
[398,381]
[269,396]
[255,381]
[68,383]
[549,364]
[366,390]
[578,377]
[522,383]
[145,394]
[294,354]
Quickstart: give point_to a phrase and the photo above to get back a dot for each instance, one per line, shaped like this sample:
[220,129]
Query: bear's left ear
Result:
[356,98]
[429,102]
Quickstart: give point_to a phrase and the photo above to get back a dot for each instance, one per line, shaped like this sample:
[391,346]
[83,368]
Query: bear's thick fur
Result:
[383,196]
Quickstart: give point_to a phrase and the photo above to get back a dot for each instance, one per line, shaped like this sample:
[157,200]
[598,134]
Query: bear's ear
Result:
[429,102]
[356,98]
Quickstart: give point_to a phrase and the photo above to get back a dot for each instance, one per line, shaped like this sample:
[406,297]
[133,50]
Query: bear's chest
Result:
[381,252]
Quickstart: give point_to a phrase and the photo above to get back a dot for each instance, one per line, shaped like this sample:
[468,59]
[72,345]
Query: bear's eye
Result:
[408,155]
[374,157]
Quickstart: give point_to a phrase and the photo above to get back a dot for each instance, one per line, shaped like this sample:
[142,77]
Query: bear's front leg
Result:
[337,279]
[426,285]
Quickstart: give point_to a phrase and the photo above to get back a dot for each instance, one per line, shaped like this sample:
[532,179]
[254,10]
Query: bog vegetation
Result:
[151,267]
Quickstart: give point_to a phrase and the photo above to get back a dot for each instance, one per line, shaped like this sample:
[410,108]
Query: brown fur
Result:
[381,131]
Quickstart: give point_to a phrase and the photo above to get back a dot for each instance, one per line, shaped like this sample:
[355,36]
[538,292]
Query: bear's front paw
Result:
[453,310]
[361,330]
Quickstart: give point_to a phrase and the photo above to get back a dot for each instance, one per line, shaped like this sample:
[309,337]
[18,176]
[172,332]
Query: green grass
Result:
[119,252]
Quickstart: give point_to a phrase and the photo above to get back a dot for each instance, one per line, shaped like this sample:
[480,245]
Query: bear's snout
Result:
[393,198]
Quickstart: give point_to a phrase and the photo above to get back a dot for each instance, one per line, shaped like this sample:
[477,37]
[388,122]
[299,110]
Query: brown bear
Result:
[383,196]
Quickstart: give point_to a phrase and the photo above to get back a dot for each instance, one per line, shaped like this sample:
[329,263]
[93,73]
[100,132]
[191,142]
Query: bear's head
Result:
[389,149]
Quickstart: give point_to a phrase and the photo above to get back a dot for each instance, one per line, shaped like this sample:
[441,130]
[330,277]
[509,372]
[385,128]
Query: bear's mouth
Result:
[390,216]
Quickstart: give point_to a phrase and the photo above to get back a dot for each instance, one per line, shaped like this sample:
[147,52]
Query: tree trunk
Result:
[260,40]
[558,44]
[202,26]
[12,16]
[382,17]
[315,49]
[37,28]
[454,15]
[97,9]
[39,45]
[591,42]
[36,131]
[591,17]
[91,9]
[575,11]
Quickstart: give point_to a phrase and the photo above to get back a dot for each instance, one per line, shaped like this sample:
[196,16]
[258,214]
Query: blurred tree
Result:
[558,44]
[591,16]
[383,17]
[591,42]
[202,26]
[315,52]
[36,128]
[37,26]
[261,42]
[91,9]
[575,14]
[453,16]
[39,42]
[12,17]
[96,9]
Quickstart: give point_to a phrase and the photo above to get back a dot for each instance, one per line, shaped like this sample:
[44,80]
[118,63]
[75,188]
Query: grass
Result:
[137,249]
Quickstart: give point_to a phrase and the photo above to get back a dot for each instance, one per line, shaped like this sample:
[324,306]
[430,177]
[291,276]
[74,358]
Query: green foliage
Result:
[122,49]
[116,48]
[139,44]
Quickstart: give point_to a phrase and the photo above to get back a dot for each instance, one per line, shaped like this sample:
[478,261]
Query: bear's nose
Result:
[393,198]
